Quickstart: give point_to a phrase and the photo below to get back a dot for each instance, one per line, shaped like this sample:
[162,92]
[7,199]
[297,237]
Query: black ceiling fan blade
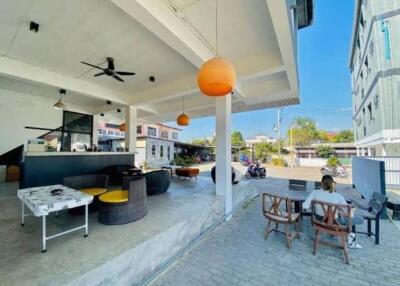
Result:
[117,77]
[93,66]
[125,73]
[99,74]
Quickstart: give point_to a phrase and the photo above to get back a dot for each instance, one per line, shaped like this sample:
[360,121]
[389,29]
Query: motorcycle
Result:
[338,171]
[255,171]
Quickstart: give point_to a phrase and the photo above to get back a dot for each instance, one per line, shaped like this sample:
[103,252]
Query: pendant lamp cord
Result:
[216,28]
[183,104]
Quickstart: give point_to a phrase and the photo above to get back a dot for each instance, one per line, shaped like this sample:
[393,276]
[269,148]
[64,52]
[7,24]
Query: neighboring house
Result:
[375,77]
[154,145]
[308,155]
[259,138]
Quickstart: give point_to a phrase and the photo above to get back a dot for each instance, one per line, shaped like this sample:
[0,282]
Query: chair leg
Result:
[345,249]
[288,238]
[297,228]
[369,227]
[377,231]
[267,230]
[316,241]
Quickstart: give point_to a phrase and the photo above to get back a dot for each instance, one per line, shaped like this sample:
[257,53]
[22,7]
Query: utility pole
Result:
[277,129]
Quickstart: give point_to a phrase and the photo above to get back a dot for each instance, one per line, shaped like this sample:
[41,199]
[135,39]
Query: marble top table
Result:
[41,201]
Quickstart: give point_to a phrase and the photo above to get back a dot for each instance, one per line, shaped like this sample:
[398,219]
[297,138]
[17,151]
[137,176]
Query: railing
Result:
[392,170]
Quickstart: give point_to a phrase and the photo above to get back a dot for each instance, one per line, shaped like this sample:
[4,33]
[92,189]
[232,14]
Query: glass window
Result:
[151,131]
[174,135]
[153,150]
[139,129]
[164,134]
[169,153]
[77,122]
[161,151]
[100,131]
[370,111]
[371,48]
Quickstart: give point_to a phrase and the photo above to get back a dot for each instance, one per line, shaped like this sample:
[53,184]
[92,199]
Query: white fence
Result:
[392,170]
[310,162]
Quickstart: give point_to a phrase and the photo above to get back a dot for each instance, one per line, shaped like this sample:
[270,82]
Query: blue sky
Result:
[325,91]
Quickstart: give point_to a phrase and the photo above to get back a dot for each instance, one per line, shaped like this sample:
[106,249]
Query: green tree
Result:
[304,131]
[323,136]
[263,150]
[237,139]
[344,136]
[324,151]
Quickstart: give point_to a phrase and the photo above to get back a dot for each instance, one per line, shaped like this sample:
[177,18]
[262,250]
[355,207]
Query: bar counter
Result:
[49,168]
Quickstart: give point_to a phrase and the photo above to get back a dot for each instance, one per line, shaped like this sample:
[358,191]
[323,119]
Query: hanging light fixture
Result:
[122,127]
[217,76]
[59,104]
[183,119]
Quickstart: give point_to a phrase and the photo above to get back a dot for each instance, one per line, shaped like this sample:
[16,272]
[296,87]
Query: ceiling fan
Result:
[110,70]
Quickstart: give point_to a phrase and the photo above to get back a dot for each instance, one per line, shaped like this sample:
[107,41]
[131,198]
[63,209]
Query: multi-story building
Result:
[154,144]
[375,77]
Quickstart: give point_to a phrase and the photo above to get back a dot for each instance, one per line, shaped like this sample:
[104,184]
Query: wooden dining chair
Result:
[278,210]
[335,221]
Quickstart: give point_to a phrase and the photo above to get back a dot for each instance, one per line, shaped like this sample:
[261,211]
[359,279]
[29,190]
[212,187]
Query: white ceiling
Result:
[149,38]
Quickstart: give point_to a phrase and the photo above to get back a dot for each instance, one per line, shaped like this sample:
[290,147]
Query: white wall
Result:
[18,110]
[158,161]
[313,162]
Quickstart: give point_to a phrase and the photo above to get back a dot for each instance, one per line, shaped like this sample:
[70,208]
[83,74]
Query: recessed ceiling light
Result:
[152,79]
[108,102]
[118,110]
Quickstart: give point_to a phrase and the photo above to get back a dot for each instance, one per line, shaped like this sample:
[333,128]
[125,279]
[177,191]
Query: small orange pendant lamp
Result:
[122,127]
[183,119]
[217,76]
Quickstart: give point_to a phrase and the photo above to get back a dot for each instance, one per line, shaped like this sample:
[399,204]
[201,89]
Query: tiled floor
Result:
[236,253]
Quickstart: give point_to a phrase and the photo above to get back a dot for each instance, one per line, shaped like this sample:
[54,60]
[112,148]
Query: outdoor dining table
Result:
[296,196]
[44,200]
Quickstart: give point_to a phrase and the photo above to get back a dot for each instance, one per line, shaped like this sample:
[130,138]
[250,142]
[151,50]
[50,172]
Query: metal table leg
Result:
[23,214]
[44,233]
[86,220]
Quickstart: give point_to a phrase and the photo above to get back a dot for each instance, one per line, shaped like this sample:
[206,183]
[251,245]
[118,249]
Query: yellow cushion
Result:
[118,196]
[94,191]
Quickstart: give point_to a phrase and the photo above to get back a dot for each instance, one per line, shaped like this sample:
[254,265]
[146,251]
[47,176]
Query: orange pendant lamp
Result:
[183,119]
[216,77]
[122,127]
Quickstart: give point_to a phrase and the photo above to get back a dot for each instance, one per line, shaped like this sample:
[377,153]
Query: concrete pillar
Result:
[223,151]
[130,131]
[362,152]
[384,153]
[358,151]
[369,152]
[95,130]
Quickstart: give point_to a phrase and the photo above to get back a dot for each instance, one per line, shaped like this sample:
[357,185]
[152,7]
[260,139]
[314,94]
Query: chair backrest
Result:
[297,185]
[276,208]
[318,185]
[158,181]
[86,181]
[137,190]
[377,203]
[336,218]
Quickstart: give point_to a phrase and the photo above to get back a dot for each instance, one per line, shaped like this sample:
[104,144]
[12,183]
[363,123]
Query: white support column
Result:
[95,130]
[362,152]
[369,152]
[223,151]
[130,125]
[358,151]
[384,150]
